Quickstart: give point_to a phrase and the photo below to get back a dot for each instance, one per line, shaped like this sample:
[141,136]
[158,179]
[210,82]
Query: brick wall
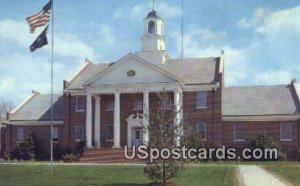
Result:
[252,128]
[210,115]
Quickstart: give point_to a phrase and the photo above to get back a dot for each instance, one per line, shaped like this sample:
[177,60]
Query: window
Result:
[201,129]
[55,134]
[151,27]
[20,134]
[110,132]
[78,133]
[286,132]
[110,105]
[201,101]
[168,104]
[239,132]
[137,103]
[79,105]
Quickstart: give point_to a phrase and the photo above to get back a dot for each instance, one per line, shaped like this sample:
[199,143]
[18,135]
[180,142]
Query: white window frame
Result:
[55,134]
[79,137]
[205,129]
[20,134]
[290,131]
[138,103]
[234,132]
[76,103]
[201,95]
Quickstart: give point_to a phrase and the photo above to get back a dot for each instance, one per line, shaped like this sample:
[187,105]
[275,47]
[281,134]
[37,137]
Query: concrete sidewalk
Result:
[252,175]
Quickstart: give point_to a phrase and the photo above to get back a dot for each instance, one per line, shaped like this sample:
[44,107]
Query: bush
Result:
[69,158]
[192,139]
[263,141]
[25,150]
[80,148]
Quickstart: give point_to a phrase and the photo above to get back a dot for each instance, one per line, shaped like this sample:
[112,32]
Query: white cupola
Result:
[153,47]
[153,37]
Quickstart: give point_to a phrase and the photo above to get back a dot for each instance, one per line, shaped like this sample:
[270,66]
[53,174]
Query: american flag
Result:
[41,18]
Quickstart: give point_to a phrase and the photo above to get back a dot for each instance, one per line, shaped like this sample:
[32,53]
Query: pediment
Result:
[131,70]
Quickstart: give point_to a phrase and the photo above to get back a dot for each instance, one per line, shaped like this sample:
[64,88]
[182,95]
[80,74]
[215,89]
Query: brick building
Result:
[99,102]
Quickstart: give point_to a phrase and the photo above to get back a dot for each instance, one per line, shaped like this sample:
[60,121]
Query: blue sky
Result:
[260,38]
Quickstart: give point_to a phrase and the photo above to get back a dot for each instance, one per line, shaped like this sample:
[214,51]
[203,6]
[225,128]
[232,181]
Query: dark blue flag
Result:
[40,41]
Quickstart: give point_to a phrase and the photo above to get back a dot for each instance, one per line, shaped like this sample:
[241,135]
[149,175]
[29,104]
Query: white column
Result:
[145,116]
[88,121]
[97,121]
[178,109]
[117,121]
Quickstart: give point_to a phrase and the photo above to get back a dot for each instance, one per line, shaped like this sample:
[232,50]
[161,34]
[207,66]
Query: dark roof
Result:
[191,71]
[259,100]
[38,109]
[152,14]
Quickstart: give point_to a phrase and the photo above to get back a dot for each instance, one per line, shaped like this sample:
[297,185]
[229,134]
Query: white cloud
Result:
[106,35]
[168,11]
[270,58]
[17,31]
[281,76]
[258,17]
[65,44]
[72,46]
[138,11]
[117,13]
[22,73]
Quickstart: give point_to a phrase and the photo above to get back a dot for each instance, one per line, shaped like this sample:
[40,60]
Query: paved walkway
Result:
[253,175]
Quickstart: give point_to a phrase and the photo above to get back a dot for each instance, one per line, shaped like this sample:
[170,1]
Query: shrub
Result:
[80,147]
[25,150]
[69,158]
[263,141]
[192,139]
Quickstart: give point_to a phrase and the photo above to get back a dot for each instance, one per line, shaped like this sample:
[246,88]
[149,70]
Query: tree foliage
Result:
[263,141]
[164,132]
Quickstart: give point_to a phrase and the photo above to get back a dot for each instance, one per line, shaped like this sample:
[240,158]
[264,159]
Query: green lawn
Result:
[291,173]
[27,174]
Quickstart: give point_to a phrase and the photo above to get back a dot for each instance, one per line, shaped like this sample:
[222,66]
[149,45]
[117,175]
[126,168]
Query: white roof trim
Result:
[297,89]
[79,70]
[34,93]
[221,66]
[32,123]
[262,118]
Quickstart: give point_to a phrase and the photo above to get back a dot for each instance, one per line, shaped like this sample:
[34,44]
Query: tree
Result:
[164,133]
[5,106]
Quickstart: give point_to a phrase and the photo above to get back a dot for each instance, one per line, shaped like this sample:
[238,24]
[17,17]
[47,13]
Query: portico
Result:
[96,92]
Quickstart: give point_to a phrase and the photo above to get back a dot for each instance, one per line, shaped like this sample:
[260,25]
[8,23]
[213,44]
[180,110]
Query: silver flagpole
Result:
[51,120]
[182,44]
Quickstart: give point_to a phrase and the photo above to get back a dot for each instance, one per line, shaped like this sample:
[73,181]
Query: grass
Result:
[290,173]
[37,174]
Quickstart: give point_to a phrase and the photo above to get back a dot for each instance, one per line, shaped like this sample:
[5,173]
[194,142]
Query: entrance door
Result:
[137,136]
